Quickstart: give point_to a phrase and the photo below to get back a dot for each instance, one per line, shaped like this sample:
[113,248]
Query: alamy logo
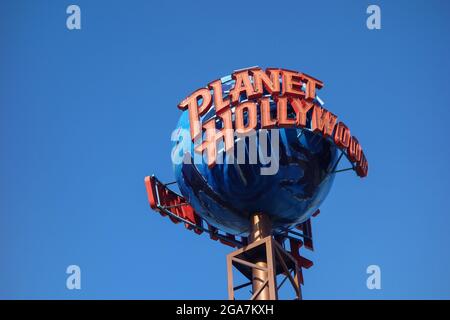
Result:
[373,22]
[74,279]
[73,21]
[374,280]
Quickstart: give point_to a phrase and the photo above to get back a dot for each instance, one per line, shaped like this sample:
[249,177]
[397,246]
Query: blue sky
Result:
[86,114]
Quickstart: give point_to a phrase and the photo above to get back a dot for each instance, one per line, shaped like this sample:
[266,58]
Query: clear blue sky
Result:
[86,114]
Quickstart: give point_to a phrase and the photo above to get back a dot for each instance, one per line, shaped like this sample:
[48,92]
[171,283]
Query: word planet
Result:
[290,147]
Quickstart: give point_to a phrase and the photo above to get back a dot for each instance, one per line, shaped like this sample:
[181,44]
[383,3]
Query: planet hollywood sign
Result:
[263,211]
[246,107]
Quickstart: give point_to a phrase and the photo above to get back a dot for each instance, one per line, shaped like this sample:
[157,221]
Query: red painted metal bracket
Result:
[169,203]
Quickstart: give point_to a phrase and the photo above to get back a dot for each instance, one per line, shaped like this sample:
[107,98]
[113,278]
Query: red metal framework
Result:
[169,203]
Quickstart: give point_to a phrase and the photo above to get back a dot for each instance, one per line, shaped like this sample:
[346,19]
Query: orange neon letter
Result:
[266,119]
[362,167]
[292,84]
[283,120]
[212,136]
[196,110]
[311,85]
[242,83]
[252,120]
[301,108]
[354,150]
[269,80]
[342,135]
[322,121]
[219,104]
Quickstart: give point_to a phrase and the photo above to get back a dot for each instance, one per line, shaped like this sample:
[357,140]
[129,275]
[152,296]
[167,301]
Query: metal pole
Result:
[261,227]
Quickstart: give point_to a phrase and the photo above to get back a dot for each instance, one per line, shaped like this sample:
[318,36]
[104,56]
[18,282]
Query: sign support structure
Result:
[261,257]
[261,261]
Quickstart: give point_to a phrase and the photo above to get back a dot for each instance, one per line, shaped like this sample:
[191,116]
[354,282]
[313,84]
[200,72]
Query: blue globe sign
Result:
[275,149]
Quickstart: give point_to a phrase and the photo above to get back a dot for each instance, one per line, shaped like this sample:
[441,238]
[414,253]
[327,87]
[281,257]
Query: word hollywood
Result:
[246,107]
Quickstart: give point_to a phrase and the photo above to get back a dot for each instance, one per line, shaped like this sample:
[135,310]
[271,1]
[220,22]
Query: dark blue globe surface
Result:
[227,194]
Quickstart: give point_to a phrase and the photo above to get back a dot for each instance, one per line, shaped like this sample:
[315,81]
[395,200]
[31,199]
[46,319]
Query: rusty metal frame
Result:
[277,259]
